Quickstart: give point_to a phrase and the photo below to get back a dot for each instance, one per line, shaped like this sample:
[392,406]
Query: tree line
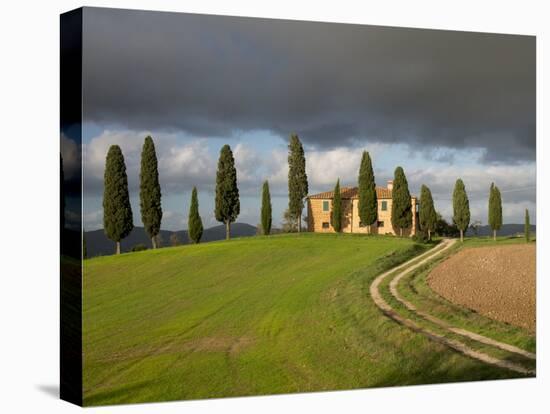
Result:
[401,212]
[118,216]
[117,210]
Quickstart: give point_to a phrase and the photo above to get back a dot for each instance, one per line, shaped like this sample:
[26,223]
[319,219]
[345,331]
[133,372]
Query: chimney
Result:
[390,185]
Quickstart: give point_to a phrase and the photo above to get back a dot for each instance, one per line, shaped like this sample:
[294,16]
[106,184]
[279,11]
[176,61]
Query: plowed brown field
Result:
[498,282]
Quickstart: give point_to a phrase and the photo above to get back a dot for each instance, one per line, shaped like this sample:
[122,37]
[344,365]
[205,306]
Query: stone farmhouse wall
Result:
[319,220]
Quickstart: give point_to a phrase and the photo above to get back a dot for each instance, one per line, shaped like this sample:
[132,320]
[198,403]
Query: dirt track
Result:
[451,343]
[498,282]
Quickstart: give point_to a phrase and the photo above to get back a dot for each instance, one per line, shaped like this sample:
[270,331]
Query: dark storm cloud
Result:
[334,84]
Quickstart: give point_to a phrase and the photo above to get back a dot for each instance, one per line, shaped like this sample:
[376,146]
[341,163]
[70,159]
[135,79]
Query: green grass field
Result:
[260,315]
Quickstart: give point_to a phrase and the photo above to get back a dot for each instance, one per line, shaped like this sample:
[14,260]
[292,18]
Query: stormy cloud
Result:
[336,85]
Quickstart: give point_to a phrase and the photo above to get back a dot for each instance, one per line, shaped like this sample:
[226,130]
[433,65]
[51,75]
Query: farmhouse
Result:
[319,209]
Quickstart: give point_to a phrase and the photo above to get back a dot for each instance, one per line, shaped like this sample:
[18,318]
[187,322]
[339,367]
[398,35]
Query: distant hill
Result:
[98,244]
[506,230]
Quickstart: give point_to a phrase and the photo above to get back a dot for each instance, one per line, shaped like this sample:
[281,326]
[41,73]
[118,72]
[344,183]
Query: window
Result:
[325,223]
[325,206]
[384,206]
[380,224]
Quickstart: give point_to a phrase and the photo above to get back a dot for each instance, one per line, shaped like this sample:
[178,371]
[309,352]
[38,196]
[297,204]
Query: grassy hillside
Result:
[287,313]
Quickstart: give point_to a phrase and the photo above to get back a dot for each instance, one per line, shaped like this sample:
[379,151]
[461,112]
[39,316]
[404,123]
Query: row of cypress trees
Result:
[118,217]
[117,210]
[401,213]
[461,209]
[227,192]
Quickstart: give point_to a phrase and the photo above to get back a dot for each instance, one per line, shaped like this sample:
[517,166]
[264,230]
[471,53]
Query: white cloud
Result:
[174,220]
[92,220]
[248,163]
[181,166]
[517,185]
[325,167]
[95,153]
[277,167]
[477,178]
[249,214]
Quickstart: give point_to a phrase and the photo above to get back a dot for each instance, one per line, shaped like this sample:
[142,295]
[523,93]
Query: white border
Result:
[29,205]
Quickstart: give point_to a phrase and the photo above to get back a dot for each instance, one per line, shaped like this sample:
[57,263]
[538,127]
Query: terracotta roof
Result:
[351,192]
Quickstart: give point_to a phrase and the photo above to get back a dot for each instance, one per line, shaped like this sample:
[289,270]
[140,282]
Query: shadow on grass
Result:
[433,368]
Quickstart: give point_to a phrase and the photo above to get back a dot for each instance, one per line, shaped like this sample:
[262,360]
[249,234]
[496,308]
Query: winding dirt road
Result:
[415,263]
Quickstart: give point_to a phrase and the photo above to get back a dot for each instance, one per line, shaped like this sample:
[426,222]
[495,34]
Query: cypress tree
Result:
[336,215]
[297,179]
[194,224]
[461,208]
[368,202]
[149,195]
[117,211]
[266,209]
[227,194]
[527,228]
[495,209]
[401,208]
[427,215]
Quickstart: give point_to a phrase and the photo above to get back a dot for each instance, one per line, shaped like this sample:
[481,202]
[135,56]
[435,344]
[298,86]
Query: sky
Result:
[441,104]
